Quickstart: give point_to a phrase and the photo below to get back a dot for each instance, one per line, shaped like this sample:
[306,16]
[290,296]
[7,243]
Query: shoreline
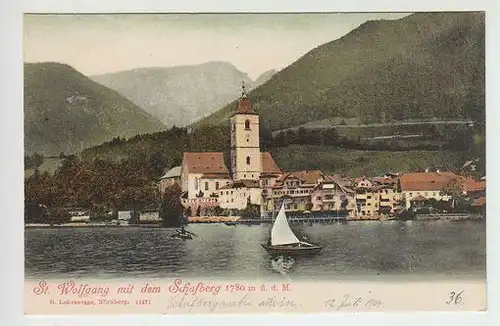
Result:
[250,222]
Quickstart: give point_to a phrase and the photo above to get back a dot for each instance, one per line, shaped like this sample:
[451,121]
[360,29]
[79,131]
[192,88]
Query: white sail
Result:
[281,233]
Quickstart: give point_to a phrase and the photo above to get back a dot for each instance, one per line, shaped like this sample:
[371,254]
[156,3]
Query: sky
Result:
[254,43]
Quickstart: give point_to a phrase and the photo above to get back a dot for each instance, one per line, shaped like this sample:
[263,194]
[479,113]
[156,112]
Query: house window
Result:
[195,184]
[206,185]
[216,186]
[247,124]
[411,194]
[248,160]
[244,176]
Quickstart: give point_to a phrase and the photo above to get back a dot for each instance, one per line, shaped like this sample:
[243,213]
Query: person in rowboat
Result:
[182,231]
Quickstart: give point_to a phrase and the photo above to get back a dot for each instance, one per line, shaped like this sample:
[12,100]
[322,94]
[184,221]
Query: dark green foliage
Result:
[134,217]
[57,215]
[35,213]
[348,162]
[170,208]
[33,161]
[66,111]
[218,211]
[250,211]
[93,184]
[423,66]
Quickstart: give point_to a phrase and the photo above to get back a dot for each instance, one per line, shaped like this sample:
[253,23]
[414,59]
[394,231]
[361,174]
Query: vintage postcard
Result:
[254,163]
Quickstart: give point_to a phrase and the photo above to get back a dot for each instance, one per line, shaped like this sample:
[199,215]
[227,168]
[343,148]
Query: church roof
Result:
[307,177]
[244,105]
[269,166]
[210,163]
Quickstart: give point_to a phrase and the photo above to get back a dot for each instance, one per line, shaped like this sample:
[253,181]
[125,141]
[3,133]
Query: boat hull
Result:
[293,250]
[181,237]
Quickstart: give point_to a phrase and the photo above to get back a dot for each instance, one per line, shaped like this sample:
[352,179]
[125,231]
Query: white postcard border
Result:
[11,239]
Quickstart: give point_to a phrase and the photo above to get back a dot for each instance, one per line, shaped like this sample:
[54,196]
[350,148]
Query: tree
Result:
[58,216]
[251,210]
[170,207]
[457,200]
[218,211]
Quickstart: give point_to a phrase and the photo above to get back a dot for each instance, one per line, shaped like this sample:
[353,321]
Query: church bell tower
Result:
[245,140]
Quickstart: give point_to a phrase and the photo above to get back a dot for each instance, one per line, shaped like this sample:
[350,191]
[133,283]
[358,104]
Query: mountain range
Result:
[423,66]
[65,111]
[183,94]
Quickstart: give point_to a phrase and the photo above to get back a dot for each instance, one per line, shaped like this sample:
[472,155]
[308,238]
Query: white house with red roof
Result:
[421,186]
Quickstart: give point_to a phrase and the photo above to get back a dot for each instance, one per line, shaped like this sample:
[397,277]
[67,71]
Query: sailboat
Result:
[283,241]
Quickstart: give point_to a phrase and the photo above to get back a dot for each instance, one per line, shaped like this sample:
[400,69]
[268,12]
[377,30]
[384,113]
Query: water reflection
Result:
[362,249]
[282,264]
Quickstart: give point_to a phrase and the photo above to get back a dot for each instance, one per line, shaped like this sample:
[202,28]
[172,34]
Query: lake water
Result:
[359,250]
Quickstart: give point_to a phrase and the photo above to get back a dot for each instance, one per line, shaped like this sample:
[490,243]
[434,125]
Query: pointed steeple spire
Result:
[243,92]
[244,105]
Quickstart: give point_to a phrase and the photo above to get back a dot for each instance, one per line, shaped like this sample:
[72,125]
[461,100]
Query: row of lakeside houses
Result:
[252,176]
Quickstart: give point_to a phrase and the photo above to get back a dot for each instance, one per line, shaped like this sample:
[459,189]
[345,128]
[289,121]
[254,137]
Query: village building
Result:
[332,195]
[170,178]
[206,180]
[376,197]
[418,187]
[362,182]
[203,174]
[149,214]
[475,192]
[294,189]
[366,204]
[237,194]
[472,188]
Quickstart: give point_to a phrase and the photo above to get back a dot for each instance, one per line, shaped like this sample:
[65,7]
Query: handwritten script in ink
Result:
[349,302]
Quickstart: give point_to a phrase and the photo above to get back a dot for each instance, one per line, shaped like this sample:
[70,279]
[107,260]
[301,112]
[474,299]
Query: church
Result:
[206,180]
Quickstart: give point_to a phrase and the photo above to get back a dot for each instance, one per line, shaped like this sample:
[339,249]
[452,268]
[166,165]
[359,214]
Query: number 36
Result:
[455,298]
